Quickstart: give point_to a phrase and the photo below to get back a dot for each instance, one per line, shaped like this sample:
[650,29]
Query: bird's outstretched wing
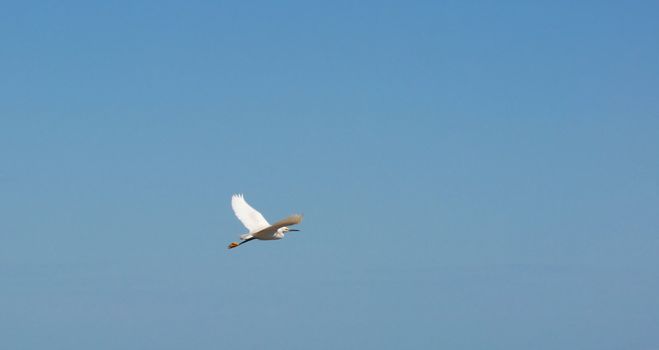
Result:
[289,221]
[251,218]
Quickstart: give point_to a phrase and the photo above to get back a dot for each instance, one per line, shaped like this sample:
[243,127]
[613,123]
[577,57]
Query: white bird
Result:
[258,227]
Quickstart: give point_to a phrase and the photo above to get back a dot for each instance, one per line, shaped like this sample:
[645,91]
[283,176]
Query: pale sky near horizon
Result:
[473,175]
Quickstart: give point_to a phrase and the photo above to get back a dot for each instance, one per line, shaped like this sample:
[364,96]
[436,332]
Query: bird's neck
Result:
[280,233]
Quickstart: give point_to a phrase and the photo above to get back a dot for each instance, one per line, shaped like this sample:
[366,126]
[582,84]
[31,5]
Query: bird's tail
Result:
[245,236]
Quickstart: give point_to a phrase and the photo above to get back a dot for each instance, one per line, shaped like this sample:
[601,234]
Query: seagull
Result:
[258,227]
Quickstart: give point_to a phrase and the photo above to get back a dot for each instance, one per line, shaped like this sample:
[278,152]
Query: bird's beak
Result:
[293,229]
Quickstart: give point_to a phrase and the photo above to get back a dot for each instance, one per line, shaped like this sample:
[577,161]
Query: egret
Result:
[258,227]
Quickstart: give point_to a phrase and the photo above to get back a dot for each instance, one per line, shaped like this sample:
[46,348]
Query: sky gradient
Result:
[473,175]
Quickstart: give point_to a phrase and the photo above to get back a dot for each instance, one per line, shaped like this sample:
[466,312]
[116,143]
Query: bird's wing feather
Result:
[291,220]
[251,218]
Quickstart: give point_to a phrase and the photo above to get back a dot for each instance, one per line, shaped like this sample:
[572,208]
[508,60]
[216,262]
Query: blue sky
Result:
[474,175]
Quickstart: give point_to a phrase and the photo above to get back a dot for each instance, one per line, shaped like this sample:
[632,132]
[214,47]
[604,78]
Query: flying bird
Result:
[257,225]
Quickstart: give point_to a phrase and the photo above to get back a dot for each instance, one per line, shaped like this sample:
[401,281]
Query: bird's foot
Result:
[233,245]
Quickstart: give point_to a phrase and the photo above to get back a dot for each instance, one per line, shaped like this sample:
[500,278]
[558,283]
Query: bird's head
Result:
[286,229]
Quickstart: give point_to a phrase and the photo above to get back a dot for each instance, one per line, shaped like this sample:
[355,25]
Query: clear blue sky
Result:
[473,174]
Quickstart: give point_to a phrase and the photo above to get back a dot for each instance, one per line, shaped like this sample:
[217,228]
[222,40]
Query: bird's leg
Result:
[235,244]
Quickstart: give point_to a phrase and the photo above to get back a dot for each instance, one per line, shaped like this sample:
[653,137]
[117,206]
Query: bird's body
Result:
[258,226]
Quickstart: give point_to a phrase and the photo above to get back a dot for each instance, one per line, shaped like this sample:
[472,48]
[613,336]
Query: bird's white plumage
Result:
[250,217]
[258,227]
